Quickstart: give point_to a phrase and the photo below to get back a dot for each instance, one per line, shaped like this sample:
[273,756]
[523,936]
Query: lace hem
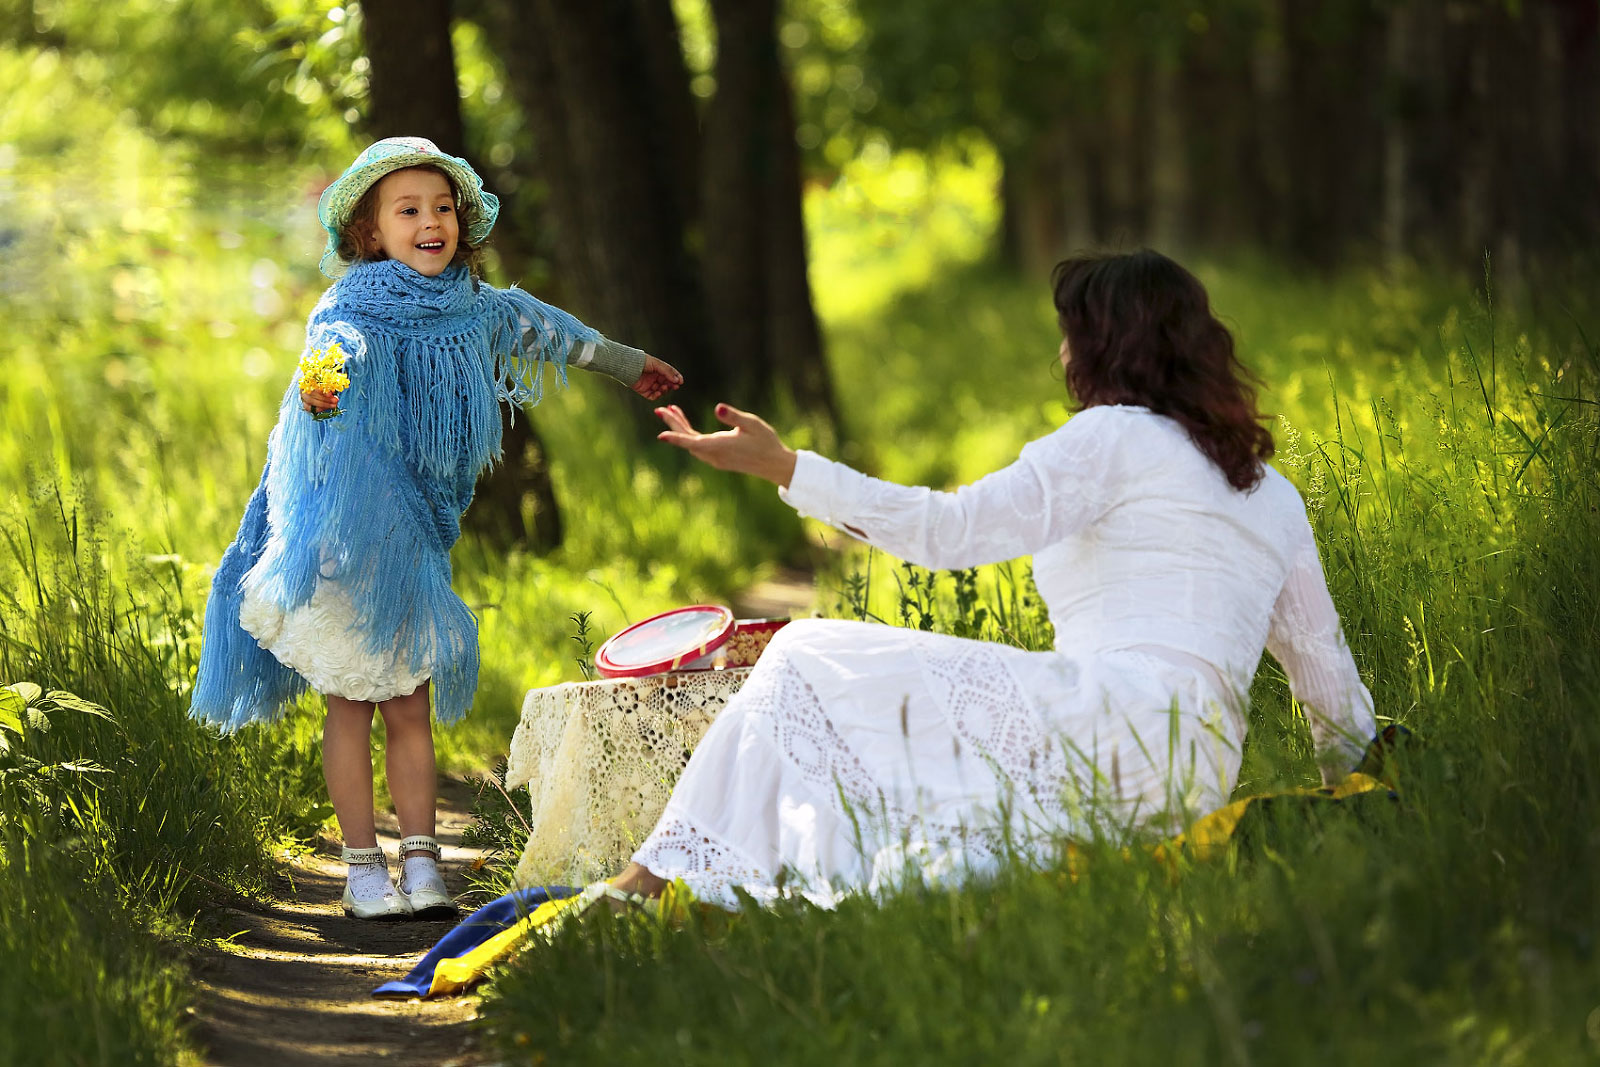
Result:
[986,709]
[679,848]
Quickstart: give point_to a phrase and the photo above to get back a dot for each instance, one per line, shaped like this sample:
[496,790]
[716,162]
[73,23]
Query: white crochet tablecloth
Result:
[600,759]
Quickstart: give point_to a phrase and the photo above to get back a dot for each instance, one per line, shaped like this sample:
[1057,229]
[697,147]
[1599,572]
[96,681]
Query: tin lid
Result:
[664,642]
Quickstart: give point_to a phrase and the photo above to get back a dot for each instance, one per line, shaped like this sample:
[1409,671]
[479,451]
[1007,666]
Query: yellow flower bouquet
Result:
[322,370]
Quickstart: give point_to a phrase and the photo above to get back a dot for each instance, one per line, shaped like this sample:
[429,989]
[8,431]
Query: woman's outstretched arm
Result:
[748,446]
[1059,485]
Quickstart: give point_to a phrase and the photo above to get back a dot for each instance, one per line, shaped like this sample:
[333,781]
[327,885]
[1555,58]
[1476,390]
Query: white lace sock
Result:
[421,871]
[369,881]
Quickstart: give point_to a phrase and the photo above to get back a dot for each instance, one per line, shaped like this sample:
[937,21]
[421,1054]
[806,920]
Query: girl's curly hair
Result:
[355,236]
[1139,330]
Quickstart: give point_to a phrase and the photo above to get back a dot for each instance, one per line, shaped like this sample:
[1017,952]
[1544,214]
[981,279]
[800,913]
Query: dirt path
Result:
[790,592]
[293,988]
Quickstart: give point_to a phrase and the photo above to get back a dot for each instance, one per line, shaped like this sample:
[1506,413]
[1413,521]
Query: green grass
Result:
[154,309]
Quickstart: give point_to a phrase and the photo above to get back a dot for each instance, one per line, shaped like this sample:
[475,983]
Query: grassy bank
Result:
[1448,457]
[119,816]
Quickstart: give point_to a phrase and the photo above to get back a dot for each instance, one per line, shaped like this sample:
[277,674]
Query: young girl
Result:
[340,575]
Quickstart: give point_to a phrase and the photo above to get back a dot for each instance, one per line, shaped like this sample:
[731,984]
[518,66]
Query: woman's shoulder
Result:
[1093,439]
[1101,425]
[1104,419]
[1281,495]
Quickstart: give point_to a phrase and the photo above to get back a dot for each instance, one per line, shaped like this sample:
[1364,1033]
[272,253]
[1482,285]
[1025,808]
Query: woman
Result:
[1168,554]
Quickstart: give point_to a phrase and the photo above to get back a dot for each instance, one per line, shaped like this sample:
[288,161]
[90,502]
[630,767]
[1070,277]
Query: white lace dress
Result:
[857,753]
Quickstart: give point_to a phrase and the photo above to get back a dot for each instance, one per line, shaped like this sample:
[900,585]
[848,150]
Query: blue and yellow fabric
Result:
[496,930]
[482,939]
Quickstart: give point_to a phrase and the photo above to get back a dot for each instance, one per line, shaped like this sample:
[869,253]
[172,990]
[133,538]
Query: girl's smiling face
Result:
[416,221]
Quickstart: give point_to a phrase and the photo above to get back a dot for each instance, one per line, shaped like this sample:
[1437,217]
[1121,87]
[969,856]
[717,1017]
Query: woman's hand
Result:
[750,447]
[657,379]
[318,400]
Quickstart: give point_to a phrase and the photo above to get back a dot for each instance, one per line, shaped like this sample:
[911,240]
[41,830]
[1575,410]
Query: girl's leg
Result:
[347,768]
[408,759]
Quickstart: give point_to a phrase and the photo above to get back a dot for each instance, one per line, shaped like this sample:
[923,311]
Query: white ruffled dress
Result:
[857,754]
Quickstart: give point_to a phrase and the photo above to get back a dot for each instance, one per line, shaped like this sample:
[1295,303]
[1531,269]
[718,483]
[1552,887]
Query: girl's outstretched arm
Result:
[646,375]
[657,379]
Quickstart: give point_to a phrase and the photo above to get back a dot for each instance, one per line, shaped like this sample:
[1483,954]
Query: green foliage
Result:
[263,74]
[923,75]
[81,981]
[500,827]
[895,222]
[153,313]
[583,637]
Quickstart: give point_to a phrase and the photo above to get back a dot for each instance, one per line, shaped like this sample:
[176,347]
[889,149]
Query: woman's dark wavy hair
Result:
[1140,330]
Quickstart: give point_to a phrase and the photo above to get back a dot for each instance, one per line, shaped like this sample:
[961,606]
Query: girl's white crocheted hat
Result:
[384,157]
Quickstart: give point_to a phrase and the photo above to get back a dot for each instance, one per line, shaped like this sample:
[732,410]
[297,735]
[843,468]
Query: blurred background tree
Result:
[1315,131]
[653,154]
[668,178]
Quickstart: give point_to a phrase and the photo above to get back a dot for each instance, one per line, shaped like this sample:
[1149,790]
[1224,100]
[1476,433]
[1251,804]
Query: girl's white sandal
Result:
[391,905]
[430,900]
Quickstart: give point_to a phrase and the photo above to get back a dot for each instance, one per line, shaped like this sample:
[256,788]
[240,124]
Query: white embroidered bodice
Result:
[1138,542]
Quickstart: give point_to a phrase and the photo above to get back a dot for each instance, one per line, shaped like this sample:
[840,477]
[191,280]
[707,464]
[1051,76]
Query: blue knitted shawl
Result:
[373,499]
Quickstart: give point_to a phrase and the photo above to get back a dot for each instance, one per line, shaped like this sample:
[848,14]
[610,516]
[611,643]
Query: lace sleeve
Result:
[1306,638]
[1059,485]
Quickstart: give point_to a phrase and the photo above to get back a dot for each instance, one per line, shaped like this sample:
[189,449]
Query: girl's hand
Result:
[318,400]
[751,447]
[657,379]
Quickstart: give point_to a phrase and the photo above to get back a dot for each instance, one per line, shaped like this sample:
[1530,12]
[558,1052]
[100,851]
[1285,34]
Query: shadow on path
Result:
[293,987]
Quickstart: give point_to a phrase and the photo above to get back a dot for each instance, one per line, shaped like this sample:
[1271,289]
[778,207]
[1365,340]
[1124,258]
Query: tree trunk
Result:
[795,335]
[411,86]
[738,164]
[413,93]
[688,244]
[1579,32]
[754,256]
[1335,57]
[1229,196]
[1047,204]
[1126,122]
[608,120]
[1169,178]
[1400,61]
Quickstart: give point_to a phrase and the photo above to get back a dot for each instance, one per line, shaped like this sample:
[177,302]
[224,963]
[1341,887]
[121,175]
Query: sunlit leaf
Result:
[28,691]
[12,704]
[72,702]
